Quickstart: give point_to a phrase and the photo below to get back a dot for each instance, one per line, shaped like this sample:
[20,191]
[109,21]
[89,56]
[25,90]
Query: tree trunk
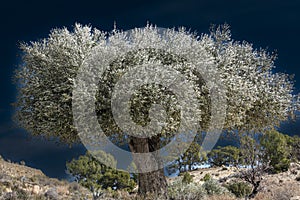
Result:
[255,189]
[150,182]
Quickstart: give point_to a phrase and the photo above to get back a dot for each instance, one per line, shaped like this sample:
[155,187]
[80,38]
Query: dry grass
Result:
[262,196]
[220,197]
[286,192]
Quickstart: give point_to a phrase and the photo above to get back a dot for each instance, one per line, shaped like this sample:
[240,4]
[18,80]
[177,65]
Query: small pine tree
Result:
[294,146]
[276,151]
[92,174]
[228,155]
[192,156]
[187,178]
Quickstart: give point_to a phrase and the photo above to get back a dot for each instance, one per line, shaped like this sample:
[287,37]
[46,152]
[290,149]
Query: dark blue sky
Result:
[270,23]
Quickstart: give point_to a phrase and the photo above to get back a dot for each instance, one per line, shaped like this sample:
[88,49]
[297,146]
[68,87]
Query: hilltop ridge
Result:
[21,182]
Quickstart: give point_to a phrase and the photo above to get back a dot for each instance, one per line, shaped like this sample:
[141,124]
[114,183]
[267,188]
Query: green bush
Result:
[239,189]
[212,187]
[92,174]
[187,178]
[276,151]
[294,146]
[206,177]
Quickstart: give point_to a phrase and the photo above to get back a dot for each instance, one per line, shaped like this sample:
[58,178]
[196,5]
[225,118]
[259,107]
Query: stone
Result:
[36,189]
[7,190]
[52,194]
[295,198]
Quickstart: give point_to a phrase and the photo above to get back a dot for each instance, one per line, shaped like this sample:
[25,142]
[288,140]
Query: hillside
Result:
[19,182]
[22,182]
[282,186]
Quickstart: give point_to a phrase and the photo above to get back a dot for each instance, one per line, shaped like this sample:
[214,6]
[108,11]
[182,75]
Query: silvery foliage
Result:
[178,190]
[45,80]
[256,97]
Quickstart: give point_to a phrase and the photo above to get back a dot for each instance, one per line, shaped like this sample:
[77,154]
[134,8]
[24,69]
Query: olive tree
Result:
[256,97]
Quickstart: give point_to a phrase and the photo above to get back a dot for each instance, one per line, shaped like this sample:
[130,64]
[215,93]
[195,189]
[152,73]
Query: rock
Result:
[52,194]
[8,190]
[295,198]
[36,189]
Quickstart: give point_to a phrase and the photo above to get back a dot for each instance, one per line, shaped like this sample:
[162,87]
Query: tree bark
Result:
[255,189]
[151,182]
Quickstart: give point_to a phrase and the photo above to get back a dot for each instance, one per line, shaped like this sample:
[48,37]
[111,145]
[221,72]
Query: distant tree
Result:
[257,98]
[275,151]
[185,162]
[193,156]
[90,173]
[228,155]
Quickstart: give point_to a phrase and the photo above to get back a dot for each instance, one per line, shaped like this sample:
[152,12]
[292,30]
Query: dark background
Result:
[270,23]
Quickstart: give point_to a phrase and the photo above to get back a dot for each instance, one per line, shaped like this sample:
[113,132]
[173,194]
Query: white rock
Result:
[8,190]
[36,189]
[295,198]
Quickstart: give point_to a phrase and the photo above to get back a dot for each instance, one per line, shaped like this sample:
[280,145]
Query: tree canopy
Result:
[257,98]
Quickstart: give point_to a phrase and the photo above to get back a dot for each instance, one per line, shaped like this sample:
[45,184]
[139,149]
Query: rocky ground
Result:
[21,182]
[283,186]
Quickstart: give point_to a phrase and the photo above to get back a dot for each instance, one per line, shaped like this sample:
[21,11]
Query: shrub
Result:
[187,178]
[180,191]
[239,189]
[74,186]
[206,177]
[21,194]
[213,187]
